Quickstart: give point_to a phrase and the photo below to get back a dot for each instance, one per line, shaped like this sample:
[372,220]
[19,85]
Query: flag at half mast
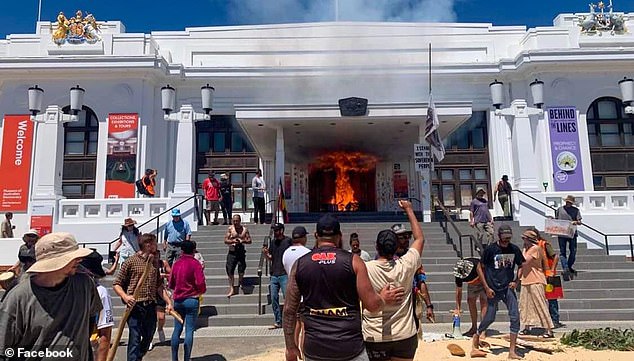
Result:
[432,136]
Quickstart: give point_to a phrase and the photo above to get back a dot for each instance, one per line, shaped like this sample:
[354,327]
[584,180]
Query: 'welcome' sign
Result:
[15,165]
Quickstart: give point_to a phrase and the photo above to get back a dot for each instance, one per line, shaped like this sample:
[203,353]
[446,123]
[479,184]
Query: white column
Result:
[424,180]
[184,159]
[48,159]
[279,162]
[523,139]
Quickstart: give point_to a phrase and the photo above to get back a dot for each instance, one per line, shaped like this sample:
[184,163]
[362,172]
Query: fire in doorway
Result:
[347,167]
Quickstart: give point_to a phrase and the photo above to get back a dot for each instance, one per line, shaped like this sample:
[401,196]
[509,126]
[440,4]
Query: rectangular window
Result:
[219,142]
[631,180]
[478,138]
[593,137]
[236,178]
[237,145]
[448,195]
[447,174]
[203,142]
[465,174]
[607,110]
[466,194]
[481,174]
[92,143]
[610,135]
[74,143]
[598,181]
[249,178]
[238,198]
[615,182]
[628,134]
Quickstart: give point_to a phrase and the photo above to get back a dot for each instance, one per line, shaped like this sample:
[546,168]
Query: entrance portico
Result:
[289,138]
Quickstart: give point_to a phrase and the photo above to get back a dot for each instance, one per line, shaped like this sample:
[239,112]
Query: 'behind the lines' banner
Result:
[121,159]
[15,166]
[564,146]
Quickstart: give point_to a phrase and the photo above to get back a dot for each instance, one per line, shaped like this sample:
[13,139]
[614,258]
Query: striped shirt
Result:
[130,274]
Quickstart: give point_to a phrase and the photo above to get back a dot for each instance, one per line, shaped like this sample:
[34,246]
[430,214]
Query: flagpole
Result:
[336,10]
[39,12]
[429,68]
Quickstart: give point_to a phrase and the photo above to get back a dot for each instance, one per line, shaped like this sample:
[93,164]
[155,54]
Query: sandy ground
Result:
[499,350]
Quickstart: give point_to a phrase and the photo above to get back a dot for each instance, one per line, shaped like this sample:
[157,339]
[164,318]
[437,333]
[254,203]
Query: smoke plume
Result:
[293,11]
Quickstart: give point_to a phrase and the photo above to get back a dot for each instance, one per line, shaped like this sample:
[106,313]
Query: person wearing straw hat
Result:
[128,240]
[26,254]
[568,212]
[52,309]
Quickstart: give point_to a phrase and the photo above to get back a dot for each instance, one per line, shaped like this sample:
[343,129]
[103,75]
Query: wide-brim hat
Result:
[176,212]
[129,222]
[569,198]
[530,235]
[7,276]
[32,232]
[55,251]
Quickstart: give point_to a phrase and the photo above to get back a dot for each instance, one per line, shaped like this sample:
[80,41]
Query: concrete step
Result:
[250,279]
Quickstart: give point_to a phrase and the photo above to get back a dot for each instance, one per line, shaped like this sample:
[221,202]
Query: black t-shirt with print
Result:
[499,265]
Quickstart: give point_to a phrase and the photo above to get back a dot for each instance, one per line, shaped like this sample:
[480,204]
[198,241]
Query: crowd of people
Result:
[339,304]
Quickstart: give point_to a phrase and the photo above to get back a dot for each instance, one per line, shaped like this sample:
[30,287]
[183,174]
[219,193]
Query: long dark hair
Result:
[134,230]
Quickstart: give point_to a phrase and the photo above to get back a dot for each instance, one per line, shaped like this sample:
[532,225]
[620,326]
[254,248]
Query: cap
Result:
[299,232]
[398,228]
[386,242]
[176,212]
[505,229]
[505,177]
[92,263]
[569,198]
[224,176]
[328,225]
[463,268]
[480,190]
[55,251]
[277,226]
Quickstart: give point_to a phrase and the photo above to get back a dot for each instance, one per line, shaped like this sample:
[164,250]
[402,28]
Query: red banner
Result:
[15,165]
[121,158]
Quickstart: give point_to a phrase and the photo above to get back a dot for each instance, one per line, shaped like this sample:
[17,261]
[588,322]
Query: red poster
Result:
[43,224]
[15,165]
[121,158]
[401,188]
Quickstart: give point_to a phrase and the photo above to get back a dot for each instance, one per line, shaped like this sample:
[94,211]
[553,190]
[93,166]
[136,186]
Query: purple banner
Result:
[564,146]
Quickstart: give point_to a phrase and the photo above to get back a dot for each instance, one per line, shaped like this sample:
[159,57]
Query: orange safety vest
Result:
[549,261]
[149,187]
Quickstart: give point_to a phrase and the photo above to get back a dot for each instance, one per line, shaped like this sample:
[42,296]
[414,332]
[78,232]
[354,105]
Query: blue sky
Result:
[19,16]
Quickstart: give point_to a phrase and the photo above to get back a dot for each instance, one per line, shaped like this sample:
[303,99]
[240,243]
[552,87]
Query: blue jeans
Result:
[142,324]
[567,262]
[277,283]
[188,308]
[510,300]
[553,309]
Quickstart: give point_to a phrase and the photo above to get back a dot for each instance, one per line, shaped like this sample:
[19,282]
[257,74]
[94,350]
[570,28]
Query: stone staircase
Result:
[604,289]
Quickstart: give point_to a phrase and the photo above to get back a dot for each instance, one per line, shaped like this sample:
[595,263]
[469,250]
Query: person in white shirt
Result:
[293,253]
[296,250]
[355,247]
[104,322]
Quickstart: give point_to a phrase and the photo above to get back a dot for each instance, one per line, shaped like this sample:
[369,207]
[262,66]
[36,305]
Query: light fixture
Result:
[627,94]
[36,100]
[76,99]
[36,97]
[537,90]
[207,96]
[497,93]
[168,99]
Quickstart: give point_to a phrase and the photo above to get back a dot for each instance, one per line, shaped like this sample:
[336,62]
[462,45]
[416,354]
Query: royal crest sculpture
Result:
[78,29]
[601,21]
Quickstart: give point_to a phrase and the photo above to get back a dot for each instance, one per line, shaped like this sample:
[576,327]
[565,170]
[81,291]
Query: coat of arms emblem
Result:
[601,21]
[76,30]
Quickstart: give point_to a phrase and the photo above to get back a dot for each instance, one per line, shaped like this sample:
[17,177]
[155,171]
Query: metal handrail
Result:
[459,248]
[157,217]
[606,236]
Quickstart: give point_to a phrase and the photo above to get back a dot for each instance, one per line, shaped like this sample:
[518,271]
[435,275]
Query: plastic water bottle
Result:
[457,334]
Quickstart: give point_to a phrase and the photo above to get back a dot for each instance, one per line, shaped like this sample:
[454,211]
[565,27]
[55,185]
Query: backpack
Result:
[140,187]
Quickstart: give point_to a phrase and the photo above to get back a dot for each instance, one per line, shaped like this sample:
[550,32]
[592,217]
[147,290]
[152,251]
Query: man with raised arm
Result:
[331,281]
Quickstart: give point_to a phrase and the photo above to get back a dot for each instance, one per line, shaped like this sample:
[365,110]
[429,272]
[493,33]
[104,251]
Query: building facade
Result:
[275,108]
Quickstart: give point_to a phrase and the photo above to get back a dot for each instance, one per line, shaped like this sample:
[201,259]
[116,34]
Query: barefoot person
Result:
[497,273]
[331,313]
[390,334]
[236,237]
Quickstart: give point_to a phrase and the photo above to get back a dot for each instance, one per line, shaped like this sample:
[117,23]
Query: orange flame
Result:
[344,163]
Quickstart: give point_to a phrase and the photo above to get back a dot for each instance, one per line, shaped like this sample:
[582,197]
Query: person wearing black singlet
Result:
[331,282]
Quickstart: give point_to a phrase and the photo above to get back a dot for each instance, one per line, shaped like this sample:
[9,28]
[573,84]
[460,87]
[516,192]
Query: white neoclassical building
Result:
[276,107]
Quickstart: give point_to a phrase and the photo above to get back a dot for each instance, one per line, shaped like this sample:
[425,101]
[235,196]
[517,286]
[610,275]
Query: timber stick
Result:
[177,316]
[124,319]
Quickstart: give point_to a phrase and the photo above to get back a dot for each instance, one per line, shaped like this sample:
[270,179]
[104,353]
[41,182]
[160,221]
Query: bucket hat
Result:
[55,251]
